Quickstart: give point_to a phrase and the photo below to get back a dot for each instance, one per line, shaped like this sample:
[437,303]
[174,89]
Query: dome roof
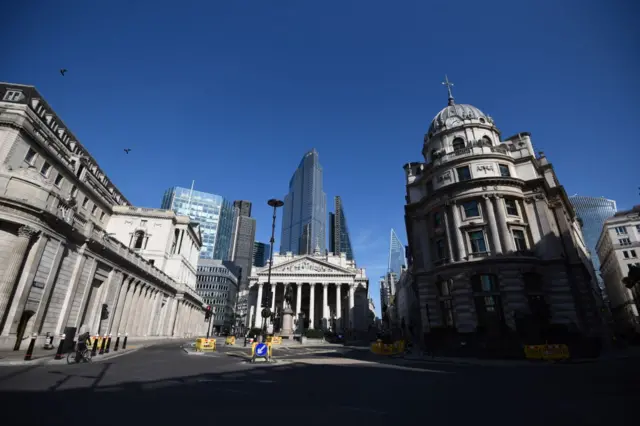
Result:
[459,111]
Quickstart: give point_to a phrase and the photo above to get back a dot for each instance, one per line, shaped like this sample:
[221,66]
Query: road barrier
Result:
[203,344]
[269,349]
[276,340]
[546,352]
[394,348]
[230,340]
[93,341]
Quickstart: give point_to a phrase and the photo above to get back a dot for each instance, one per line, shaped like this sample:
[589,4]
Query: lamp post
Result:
[275,204]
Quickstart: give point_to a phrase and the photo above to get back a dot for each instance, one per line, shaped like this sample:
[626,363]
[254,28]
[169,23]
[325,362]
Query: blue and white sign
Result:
[261,349]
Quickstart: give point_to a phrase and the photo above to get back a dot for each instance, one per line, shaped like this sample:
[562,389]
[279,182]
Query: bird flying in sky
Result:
[62,71]
[126,150]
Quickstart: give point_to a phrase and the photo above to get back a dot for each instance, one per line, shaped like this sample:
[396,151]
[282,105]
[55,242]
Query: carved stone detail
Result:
[27,232]
[303,266]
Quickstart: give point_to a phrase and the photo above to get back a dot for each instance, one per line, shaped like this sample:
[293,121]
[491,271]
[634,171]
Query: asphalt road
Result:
[163,385]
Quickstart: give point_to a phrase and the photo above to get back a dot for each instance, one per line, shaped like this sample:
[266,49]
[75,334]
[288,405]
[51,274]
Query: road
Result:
[163,385]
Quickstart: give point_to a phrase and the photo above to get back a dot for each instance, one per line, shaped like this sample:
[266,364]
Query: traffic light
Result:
[105,312]
[207,313]
[266,299]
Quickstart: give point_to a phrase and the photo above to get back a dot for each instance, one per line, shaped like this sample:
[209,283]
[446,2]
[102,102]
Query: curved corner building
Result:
[493,235]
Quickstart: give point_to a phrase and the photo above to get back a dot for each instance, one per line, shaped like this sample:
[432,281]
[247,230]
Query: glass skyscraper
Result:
[593,211]
[397,257]
[261,254]
[305,209]
[212,212]
[339,240]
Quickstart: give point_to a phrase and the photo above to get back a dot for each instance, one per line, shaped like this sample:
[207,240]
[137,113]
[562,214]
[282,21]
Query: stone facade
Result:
[492,233]
[58,263]
[619,248]
[330,290]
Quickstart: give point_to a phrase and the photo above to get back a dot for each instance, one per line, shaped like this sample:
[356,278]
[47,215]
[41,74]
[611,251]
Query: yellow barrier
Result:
[93,339]
[546,352]
[230,340]
[394,348]
[269,349]
[203,344]
[276,340]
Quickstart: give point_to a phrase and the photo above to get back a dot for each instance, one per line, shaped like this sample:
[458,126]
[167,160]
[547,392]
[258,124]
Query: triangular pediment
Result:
[307,265]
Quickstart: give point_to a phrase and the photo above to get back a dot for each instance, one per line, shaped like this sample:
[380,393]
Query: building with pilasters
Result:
[494,239]
[330,291]
[58,263]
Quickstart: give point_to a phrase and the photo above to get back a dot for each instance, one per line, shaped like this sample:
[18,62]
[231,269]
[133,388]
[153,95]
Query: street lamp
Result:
[275,204]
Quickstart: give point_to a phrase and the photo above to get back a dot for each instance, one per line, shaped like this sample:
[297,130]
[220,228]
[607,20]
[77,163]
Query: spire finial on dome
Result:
[449,86]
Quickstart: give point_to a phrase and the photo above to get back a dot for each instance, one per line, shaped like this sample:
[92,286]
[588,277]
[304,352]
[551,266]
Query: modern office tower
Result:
[397,259]
[217,284]
[214,214]
[305,209]
[261,253]
[339,240]
[593,212]
[243,237]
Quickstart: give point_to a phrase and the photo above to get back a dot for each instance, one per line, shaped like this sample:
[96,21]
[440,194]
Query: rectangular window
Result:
[621,230]
[30,158]
[437,219]
[471,209]
[504,170]
[45,169]
[638,228]
[94,209]
[478,244]
[624,241]
[519,240]
[625,254]
[444,288]
[633,253]
[85,202]
[464,173]
[58,180]
[74,191]
[512,207]
[12,95]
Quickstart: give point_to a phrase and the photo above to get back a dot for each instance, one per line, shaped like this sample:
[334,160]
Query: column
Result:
[447,220]
[129,327]
[532,221]
[312,303]
[259,302]
[325,303]
[273,297]
[338,307]
[121,324]
[298,300]
[456,229]
[492,225]
[507,241]
[352,304]
[14,265]
[152,316]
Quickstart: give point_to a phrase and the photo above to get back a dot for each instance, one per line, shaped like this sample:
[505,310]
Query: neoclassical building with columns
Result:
[493,236]
[61,256]
[331,291]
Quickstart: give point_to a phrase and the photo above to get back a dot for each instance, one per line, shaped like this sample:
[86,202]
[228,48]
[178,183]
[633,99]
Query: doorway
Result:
[22,327]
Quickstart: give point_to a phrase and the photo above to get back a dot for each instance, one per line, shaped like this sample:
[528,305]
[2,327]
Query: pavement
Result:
[162,384]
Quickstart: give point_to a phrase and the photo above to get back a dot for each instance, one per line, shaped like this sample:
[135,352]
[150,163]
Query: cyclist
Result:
[84,341]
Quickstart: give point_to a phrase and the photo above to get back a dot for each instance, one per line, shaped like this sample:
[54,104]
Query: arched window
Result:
[138,239]
[486,140]
[488,302]
[458,143]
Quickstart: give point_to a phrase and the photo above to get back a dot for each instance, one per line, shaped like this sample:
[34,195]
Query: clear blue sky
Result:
[232,94]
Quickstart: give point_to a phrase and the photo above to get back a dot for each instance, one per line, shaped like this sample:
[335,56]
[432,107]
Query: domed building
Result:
[496,245]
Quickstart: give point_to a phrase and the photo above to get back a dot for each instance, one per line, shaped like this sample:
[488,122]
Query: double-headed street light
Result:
[275,204]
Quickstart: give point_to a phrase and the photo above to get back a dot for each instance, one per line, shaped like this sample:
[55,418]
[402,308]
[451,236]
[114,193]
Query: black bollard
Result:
[60,345]
[106,351]
[95,346]
[27,356]
[103,345]
[124,343]
[115,348]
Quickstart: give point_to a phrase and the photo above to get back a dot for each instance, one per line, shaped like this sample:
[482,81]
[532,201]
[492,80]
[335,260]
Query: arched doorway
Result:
[22,327]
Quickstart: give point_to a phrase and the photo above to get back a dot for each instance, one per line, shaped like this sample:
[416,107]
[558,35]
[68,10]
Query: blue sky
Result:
[232,94]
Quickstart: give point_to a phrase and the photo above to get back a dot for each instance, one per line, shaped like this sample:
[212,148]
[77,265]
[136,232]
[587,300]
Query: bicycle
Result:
[76,356]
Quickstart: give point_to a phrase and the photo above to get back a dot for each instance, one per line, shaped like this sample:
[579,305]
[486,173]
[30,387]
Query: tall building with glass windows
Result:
[261,253]
[397,258]
[214,214]
[593,212]
[339,239]
[305,209]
